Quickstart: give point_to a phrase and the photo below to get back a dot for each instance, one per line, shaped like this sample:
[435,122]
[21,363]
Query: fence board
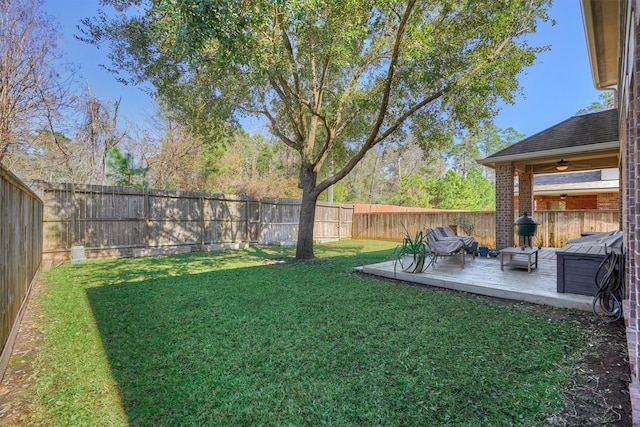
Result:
[555,229]
[21,242]
[114,220]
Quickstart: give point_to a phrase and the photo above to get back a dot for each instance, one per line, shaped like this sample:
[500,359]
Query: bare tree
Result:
[100,133]
[29,85]
[177,163]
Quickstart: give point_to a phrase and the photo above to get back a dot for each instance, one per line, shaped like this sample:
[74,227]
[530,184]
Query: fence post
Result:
[202,222]
[147,218]
[339,222]
[260,223]
[72,238]
[246,220]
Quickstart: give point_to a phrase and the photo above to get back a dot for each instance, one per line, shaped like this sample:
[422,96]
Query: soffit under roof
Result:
[602,28]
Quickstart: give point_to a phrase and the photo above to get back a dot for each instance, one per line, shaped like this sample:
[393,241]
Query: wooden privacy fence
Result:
[21,243]
[389,226]
[555,229]
[115,221]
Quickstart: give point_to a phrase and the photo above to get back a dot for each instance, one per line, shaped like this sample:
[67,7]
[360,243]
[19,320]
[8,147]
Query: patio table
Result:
[519,250]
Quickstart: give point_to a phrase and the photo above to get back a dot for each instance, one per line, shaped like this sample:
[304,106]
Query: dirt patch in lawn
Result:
[598,394]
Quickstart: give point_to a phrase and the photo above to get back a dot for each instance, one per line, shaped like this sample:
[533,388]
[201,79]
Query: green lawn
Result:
[248,337]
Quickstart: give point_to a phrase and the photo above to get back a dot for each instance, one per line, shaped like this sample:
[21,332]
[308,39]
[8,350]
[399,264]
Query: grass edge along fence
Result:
[21,241]
[122,221]
[555,229]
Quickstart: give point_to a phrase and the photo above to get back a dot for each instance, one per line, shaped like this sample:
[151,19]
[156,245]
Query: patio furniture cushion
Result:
[445,246]
[446,233]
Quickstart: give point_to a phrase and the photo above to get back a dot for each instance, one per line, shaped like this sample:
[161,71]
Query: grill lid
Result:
[526,219]
[526,226]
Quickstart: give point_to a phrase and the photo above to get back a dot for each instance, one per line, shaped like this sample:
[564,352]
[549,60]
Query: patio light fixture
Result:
[562,165]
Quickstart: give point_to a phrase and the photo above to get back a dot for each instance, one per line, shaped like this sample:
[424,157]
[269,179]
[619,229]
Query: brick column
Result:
[525,189]
[504,205]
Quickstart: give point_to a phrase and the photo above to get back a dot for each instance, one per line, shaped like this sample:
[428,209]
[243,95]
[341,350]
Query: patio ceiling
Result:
[584,142]
[603,158]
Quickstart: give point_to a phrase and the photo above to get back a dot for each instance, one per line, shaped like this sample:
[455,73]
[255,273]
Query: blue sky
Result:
[554,88]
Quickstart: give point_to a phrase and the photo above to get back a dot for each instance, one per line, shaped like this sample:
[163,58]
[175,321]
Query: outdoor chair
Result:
[445,246]
[446,233]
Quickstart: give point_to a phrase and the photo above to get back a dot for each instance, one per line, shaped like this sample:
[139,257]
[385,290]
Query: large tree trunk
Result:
[304,249]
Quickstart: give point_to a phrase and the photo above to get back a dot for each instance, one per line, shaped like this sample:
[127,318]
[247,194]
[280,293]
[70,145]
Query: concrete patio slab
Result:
[483,276]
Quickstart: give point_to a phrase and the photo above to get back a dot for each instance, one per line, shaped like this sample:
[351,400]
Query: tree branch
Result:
[276,129]
[294,71]
[296,120]
[395,55]
[373,137]
[368,60]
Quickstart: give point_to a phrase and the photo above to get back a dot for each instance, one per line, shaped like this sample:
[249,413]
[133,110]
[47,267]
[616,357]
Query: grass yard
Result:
[248,337]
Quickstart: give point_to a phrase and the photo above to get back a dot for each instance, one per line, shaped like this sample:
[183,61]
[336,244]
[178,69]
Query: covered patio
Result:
[483,276]
[582,142]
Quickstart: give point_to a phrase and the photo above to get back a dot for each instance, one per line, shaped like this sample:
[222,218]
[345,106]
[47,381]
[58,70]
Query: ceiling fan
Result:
[563,165]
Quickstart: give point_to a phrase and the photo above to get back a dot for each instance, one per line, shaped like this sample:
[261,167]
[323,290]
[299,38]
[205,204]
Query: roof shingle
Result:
[585,129]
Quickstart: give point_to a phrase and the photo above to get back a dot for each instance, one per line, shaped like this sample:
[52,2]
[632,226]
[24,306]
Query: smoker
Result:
[526,228]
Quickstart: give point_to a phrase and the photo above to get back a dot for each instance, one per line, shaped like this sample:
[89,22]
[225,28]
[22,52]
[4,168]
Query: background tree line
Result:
[63,133]
[105,148]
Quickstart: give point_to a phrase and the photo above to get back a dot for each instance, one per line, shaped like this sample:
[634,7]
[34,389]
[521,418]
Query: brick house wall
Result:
[629,118]
[578,202]
[608,201]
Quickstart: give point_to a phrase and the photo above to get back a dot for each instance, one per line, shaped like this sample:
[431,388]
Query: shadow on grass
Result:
[149,268]
[196,338]
[243,338]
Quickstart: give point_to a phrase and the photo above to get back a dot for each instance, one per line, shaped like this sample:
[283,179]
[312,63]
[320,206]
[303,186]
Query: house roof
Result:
[584,129]
[575,137]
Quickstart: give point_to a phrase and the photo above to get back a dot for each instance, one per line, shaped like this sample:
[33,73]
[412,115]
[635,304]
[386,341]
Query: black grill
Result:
[526,228]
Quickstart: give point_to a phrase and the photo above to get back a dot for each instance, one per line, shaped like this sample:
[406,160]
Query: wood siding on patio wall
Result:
[21,243]
[112,221]
[555,229]
[558,227]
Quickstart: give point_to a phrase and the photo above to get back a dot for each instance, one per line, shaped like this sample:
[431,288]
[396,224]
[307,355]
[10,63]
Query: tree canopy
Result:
[452,191]
[333,78]
[605,101]
[123,170]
